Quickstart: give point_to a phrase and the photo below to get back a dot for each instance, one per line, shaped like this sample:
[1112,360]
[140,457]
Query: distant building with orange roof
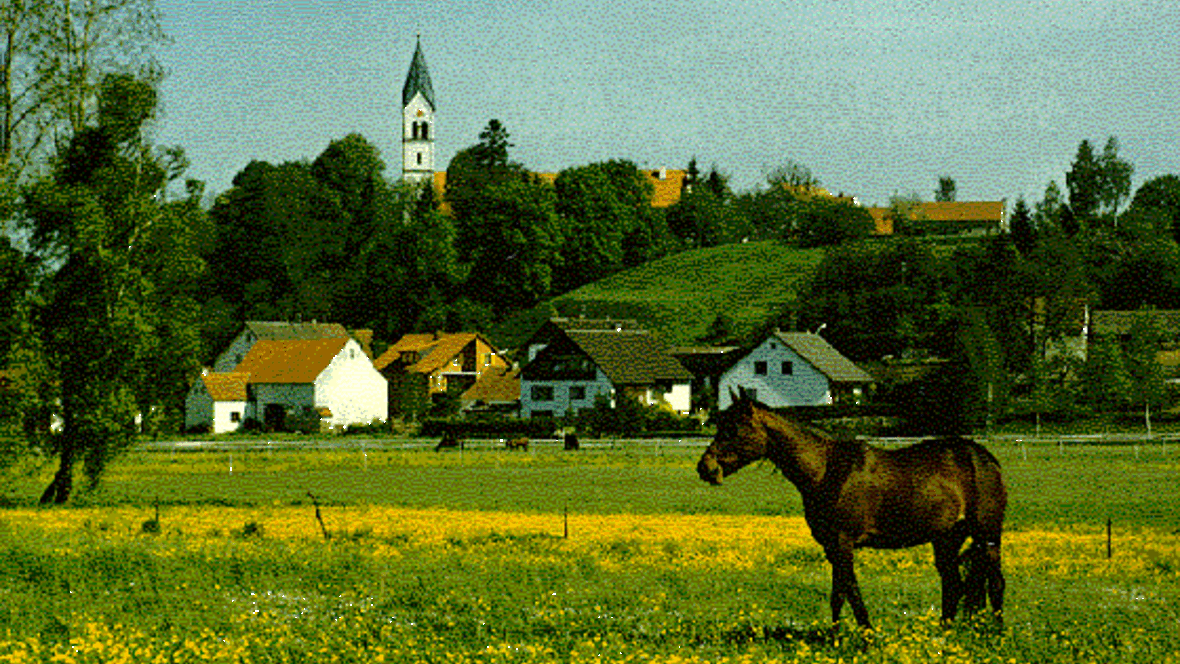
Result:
[421,367]
[948,218]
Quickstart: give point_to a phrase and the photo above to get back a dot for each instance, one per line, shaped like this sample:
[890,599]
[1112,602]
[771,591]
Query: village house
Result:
[948,218]
[794,369]
[575,365]
[422,368]
[284,375]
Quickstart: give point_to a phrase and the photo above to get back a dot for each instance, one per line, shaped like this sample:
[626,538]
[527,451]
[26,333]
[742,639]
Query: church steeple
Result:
[417,120]
[418,79]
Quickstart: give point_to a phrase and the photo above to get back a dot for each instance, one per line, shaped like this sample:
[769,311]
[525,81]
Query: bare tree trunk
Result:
[58,491]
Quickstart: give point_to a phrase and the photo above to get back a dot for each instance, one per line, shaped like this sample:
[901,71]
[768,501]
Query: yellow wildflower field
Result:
[262,584]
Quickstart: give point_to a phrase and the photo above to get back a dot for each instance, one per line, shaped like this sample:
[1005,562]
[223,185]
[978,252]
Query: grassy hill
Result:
[679,296]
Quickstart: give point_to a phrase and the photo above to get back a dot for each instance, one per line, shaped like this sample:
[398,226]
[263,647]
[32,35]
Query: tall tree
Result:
[1084,181]
[53,57]
[1024,235]
[123,263]
[946,189]
[1160,197]
[1116,178]
[1046,214]
[602,205]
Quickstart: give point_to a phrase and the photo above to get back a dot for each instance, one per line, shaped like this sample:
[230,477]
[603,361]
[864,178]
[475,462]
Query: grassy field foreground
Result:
[229,577]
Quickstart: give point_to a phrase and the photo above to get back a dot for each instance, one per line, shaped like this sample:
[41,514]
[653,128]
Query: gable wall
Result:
[232,356]
[352,388]
[805,386]
[562,402]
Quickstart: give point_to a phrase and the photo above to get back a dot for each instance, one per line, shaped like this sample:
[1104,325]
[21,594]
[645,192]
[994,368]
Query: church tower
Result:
[417,121]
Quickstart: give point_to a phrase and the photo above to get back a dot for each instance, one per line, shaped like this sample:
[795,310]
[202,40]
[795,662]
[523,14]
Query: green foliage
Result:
[1158,199]
[605,209]
[1024,234]
[822,222]
[946,189]
[628,417]
[876,300]
[119,302]
[906,214]
[1098,184]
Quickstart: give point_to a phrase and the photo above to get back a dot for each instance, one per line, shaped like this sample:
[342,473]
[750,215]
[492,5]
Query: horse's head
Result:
[740,440]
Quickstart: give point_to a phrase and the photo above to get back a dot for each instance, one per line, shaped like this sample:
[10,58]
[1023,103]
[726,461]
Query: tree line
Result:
[1002,310]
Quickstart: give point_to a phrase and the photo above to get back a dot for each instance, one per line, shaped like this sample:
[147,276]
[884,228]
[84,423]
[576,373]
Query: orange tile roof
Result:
[496,385]
[441,354]
[434,350]
[953,212]
[230,386]
[289,361]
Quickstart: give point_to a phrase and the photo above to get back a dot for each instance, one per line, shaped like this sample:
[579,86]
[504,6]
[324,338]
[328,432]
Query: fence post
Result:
[1109,542]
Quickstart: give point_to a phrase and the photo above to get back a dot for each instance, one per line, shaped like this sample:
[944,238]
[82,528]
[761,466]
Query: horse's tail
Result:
[990,492]
[985,578]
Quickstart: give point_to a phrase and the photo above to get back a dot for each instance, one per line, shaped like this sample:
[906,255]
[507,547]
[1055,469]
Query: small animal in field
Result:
[940,491]
[449,440]
[521,444]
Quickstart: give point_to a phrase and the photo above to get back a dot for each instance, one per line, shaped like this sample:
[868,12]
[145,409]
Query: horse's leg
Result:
[946,559]
[994,575]
[975,580]
[844,585]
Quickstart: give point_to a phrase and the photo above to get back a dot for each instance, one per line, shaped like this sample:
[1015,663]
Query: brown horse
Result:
[855,495]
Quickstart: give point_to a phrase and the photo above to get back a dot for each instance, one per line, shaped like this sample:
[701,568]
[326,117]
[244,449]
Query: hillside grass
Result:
[680,295]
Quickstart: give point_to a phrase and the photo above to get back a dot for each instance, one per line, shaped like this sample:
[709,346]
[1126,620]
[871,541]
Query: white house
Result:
[572,370]
[217,401]
[793,369]
[292,383]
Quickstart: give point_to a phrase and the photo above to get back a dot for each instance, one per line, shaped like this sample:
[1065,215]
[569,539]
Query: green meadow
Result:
[374,551]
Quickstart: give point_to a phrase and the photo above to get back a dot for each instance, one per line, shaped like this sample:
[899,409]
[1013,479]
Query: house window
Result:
[419,158]
[542,413]
[235,416]
[788,368]
[578,393]
[542,393]
[760,368]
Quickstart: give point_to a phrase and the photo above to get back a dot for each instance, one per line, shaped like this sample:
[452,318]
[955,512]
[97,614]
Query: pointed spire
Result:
[418,79]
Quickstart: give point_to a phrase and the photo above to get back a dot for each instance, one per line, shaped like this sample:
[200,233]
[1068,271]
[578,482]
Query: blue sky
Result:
[876,97]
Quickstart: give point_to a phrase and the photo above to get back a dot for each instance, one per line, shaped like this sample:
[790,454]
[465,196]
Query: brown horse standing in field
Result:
[855,495]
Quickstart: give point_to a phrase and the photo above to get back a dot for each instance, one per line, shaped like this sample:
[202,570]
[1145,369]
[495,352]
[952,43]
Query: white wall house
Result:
[331,378]
[217,402]
[793,369]
[292,382]
[571,371]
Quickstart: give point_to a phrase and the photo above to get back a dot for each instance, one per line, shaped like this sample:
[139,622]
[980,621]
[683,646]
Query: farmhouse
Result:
[291,383]
[254,331]
[574,367]
[949,218]
[794,369]
[421,368]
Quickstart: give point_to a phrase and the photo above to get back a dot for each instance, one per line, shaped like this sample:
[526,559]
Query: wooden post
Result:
[565,517]
[1109,543]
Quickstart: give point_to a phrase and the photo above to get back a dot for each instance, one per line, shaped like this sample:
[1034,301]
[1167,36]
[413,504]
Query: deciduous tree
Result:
[122,267]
